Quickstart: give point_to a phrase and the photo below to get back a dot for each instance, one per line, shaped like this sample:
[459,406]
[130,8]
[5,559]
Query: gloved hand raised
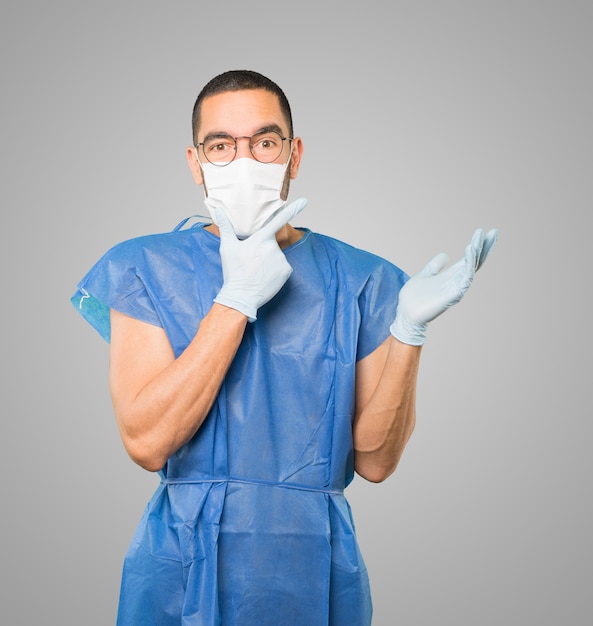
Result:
[434,289]
[253,269]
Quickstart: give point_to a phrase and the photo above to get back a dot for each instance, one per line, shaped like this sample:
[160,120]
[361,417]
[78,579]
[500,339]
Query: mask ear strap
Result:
[202,219]
[286,166]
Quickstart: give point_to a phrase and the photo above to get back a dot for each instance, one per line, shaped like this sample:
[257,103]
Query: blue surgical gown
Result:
[249,524]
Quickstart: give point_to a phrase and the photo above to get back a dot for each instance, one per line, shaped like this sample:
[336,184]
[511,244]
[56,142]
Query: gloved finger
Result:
[470,260]
[225,227]
[489,241]
[281,218]
[435,265]
[474,250]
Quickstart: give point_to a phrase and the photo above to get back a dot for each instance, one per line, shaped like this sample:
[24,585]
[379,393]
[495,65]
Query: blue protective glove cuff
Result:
[406,332]
[243,307]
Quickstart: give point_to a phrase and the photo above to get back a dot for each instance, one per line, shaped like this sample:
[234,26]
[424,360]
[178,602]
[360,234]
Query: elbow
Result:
[143,450]
[149,460]
[150,464]
[377,464]
[375,473]
[143,444]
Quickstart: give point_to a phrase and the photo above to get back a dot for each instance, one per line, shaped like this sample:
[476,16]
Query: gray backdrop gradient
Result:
[421,121]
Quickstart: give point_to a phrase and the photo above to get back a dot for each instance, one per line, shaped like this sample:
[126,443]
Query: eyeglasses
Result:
[265,146]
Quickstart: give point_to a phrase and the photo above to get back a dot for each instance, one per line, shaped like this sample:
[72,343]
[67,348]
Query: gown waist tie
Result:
[249,481]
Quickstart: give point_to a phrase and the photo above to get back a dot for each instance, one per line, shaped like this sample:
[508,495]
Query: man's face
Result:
[243,114]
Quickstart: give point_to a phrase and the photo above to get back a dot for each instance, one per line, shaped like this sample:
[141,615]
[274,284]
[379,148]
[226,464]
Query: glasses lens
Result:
[266,147]
[220,150]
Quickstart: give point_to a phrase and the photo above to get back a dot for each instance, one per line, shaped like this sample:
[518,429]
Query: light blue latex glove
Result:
[253,269]
[434,289]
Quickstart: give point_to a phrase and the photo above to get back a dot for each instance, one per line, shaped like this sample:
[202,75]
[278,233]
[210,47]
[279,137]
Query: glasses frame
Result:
[235,139]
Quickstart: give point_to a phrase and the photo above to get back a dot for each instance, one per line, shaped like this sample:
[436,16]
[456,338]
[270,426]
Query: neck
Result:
[285,237]
[288,235]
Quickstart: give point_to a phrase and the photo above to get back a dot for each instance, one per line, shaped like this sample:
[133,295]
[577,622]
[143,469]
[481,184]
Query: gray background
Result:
[421,121]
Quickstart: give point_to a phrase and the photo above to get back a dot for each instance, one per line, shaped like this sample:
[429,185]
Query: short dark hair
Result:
[238,80]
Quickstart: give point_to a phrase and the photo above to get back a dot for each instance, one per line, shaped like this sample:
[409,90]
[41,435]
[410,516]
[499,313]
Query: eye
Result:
[219,145]
[266,142]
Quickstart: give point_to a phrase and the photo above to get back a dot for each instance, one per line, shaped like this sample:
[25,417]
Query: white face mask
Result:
[246,190]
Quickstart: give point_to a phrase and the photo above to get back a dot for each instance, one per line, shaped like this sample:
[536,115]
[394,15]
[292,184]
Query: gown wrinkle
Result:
[250,524]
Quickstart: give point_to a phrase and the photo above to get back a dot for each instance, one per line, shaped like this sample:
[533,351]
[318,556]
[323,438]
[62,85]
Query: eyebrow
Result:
[219,134]
[271,127]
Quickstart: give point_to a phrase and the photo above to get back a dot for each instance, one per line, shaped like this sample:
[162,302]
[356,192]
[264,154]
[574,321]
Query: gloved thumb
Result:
[435,265]
[283,216]
[489,240]
[224,225]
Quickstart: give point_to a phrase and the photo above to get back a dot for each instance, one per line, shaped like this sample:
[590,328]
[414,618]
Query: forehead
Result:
[240,112]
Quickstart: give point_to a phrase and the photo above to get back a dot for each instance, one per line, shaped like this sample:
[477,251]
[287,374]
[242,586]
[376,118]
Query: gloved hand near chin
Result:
[434,289]
[253,269]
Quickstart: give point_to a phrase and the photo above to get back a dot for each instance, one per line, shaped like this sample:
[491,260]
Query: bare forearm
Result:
[167,411]
[385,423]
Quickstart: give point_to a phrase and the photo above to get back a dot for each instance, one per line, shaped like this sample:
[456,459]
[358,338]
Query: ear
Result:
[194,165]
[297,155]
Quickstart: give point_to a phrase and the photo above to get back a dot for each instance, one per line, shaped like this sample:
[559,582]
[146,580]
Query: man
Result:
[256,366]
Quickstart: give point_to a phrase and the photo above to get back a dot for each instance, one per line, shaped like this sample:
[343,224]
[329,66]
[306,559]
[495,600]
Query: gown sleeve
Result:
[378,304]
[114,283]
